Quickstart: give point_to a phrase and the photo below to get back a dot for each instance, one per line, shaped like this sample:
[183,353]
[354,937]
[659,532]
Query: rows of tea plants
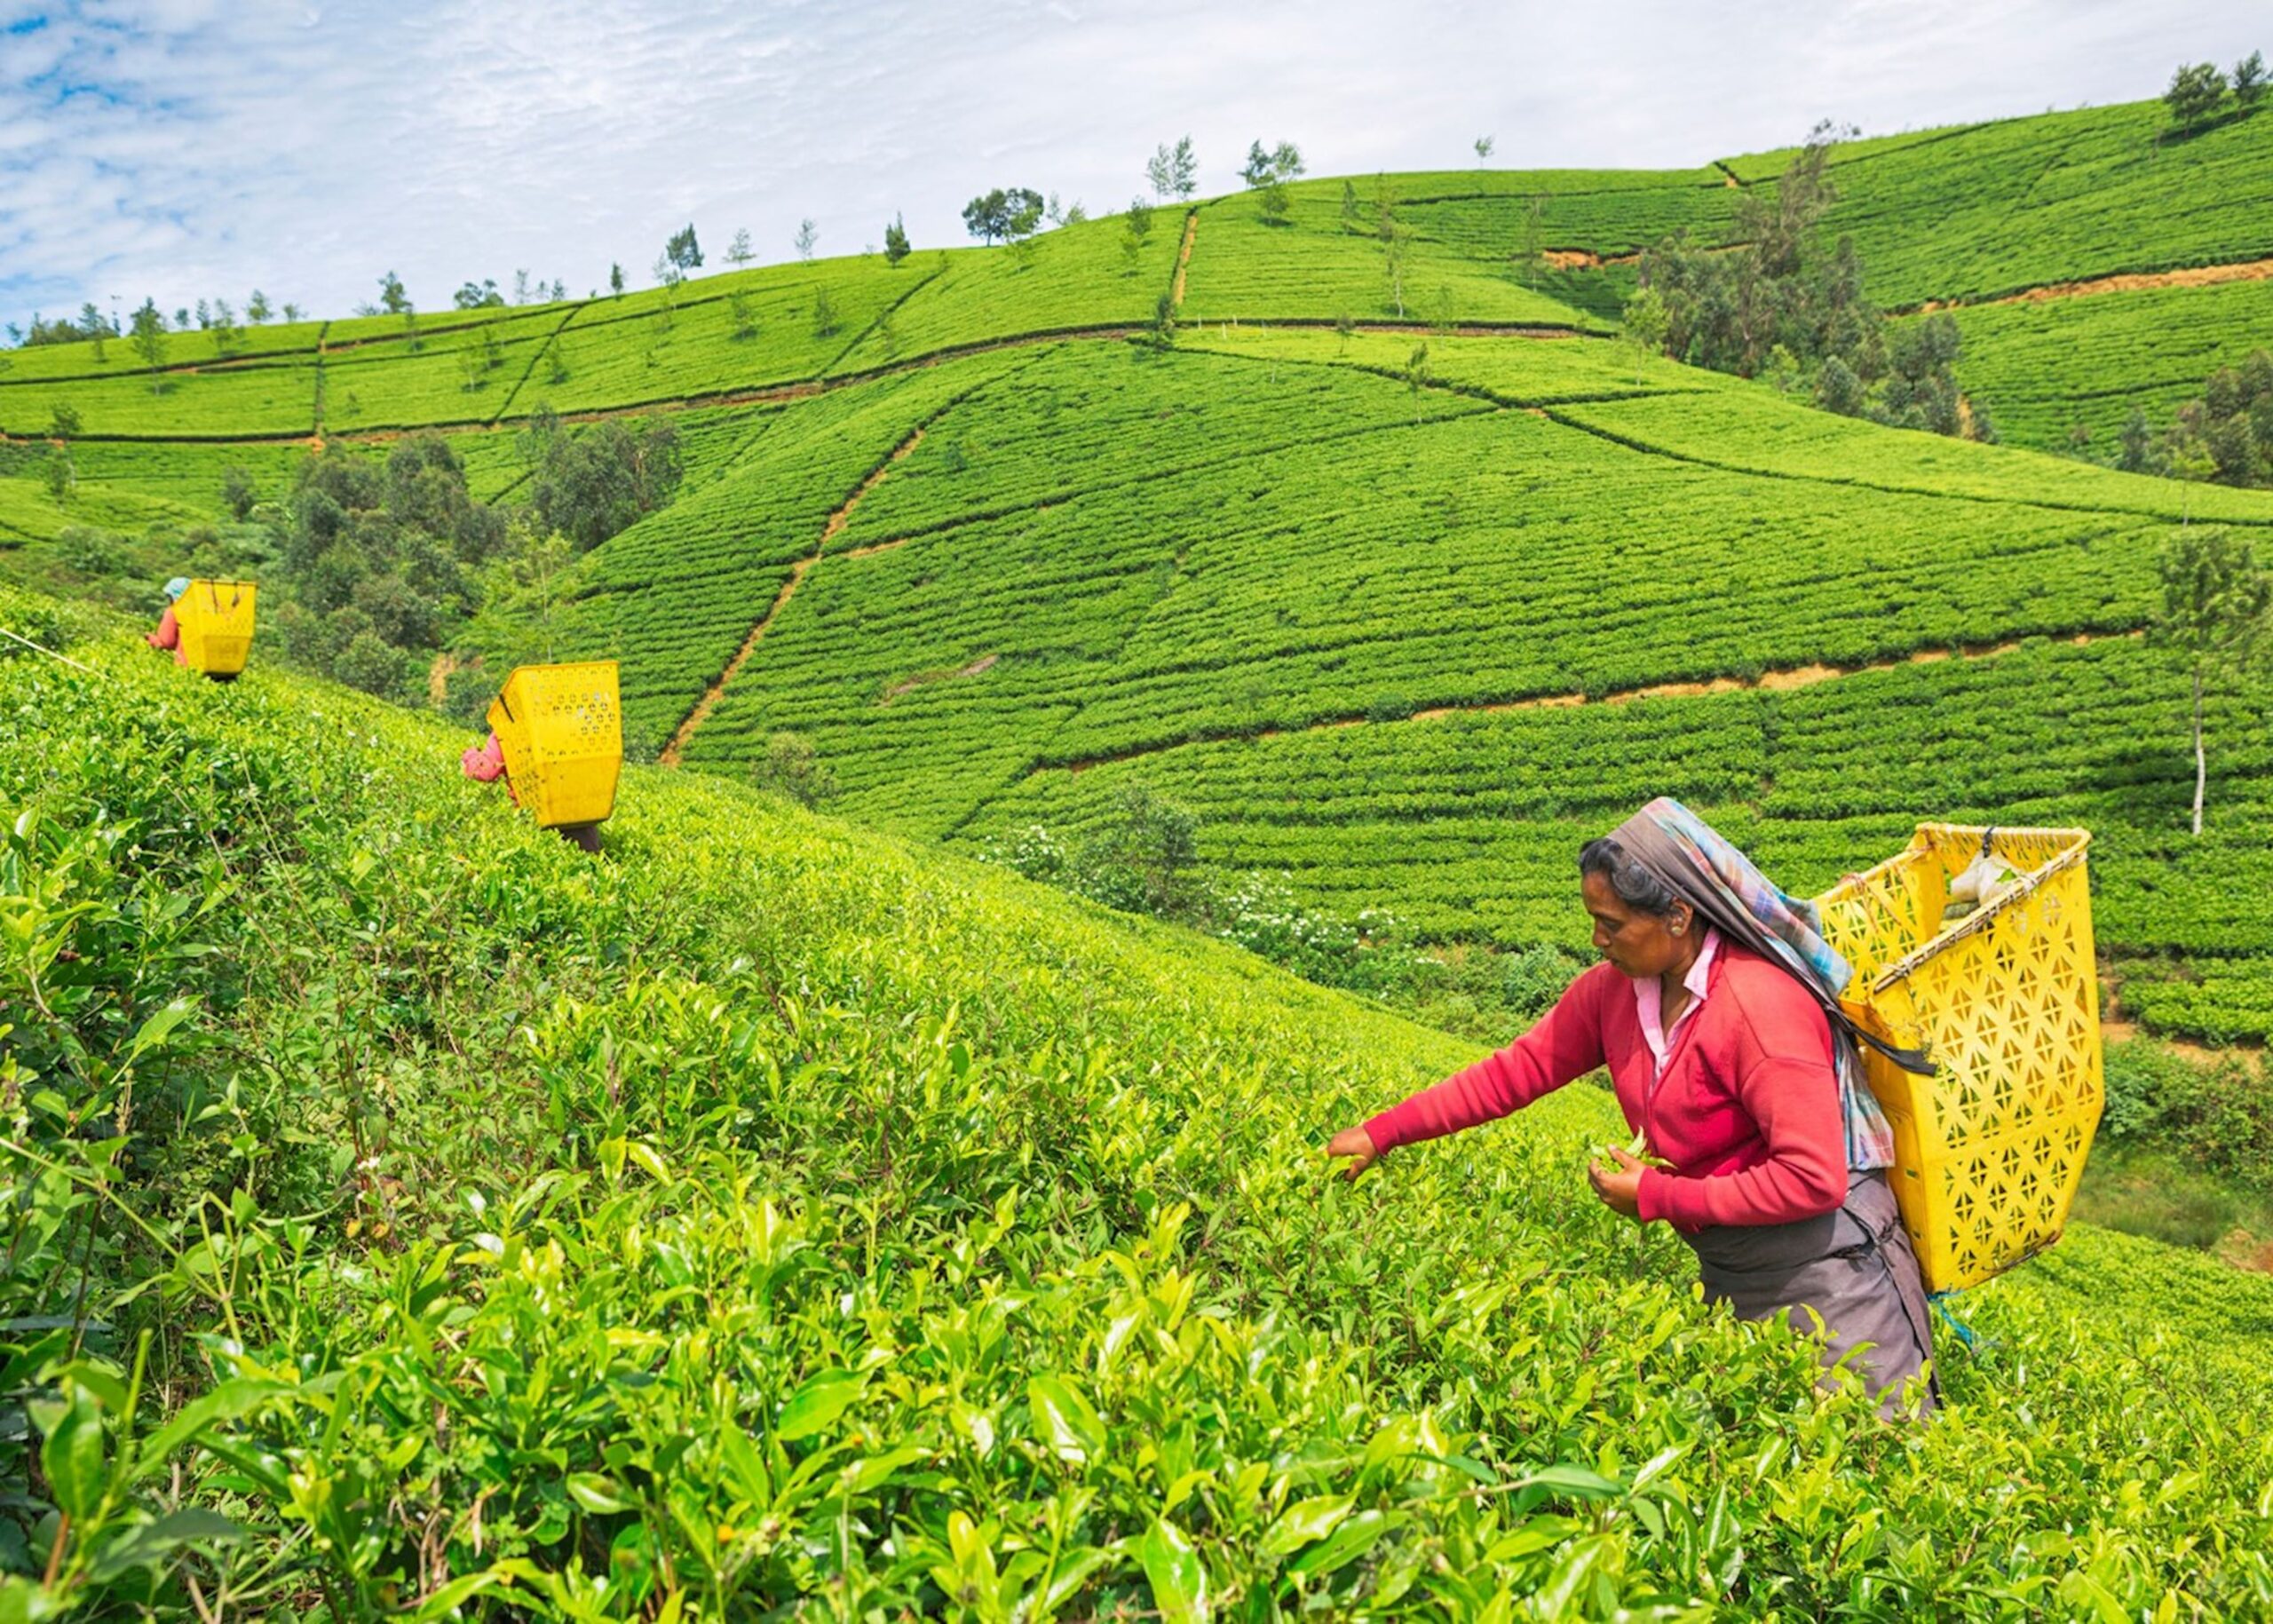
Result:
[2049,367]
[237,400]
[2059,197]
[674,596]
[1454,561]
[1749,429]
[29,512]
[1070,278]
[768,1212]
[1315,266]
[1465,826]
[1085,416]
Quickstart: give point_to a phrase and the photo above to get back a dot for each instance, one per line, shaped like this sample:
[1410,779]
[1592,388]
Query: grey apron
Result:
[1854,1267]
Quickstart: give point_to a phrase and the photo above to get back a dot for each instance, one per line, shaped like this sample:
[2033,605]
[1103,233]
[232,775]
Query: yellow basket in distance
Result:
[562,733]
[1989,1149]
[215,618]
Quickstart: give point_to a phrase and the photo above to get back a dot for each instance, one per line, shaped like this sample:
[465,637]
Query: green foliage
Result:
[792,767]
[2196,92]
[592,482]
[1010,216]
[764,1211]
[896,248]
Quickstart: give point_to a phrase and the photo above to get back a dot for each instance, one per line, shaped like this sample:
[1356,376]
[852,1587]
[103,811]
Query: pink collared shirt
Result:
[1649,1004]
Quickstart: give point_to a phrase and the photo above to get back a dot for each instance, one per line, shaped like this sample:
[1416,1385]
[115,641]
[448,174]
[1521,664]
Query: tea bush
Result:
[767,1212]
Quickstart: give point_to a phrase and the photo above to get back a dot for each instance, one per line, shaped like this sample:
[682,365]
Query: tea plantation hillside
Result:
[1400,609]
[766,1209]
[1352,618]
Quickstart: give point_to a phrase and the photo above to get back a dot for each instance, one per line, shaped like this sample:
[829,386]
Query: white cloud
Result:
[192,147]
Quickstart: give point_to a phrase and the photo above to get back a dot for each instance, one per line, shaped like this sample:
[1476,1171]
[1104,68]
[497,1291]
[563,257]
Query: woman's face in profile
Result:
[1640,944]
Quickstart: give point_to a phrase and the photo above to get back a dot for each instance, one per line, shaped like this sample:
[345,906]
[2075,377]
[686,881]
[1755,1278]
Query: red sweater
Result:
[1747,1111]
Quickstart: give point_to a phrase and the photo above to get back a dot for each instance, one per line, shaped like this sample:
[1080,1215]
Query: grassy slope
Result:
[799,1101]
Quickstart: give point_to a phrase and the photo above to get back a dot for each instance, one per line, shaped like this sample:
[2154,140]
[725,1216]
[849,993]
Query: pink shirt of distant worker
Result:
[483,763]
[168,635]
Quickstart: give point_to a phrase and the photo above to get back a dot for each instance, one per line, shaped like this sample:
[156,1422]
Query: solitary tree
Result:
[149,331]
[790,766]
[1394,252]
[896,247]
[683,252]
[2249,79]
[1534,234]
[1011,214]
[1267,173]
[2193,94]
[1483,145]
[1648,322]
[2217,603]
[393,297]
[615,279]
[291,312]
[1173,171]
[2136,444]
[1136,231]
[808,234]
[738,252]
[258,309]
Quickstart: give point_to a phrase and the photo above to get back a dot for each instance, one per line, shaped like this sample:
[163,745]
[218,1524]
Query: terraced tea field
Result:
[963,526]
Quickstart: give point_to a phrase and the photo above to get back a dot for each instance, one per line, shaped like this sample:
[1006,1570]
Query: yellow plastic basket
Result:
[562,733]
[215,618]
[1989,1149]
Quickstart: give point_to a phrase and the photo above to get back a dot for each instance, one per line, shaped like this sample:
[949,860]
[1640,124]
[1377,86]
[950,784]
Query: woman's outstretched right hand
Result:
[1355,1144]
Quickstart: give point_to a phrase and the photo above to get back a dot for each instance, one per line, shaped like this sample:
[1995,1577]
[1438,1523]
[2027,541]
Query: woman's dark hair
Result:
[1636,886]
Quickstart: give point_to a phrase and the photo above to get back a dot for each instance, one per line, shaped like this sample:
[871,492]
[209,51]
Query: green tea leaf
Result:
[1173,1568]
[1064,1419]
[815,1407]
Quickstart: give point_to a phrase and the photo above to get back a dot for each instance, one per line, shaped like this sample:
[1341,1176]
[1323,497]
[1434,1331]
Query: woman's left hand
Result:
[1619,1186]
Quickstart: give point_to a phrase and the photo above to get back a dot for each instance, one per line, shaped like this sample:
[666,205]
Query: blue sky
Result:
[188,148]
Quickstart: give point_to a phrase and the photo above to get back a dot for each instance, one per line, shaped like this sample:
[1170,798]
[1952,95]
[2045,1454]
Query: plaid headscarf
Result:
[1720,882]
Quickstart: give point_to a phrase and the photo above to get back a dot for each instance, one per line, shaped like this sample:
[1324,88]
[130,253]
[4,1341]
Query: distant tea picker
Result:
[1717,1012]
[556,737]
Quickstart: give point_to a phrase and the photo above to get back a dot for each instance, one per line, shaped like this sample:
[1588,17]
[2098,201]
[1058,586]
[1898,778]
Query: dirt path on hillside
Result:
[1772,682]
[2194,276]
[976,668]
[1583,259]
[1183,259]
[836,522]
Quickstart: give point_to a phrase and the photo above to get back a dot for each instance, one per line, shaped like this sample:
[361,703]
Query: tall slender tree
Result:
[2216,609]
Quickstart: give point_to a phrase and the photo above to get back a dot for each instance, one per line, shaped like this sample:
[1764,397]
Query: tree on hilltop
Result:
[1267,173]
[477,296]
[1173,171]
[1483,146]
[394,300]
[738,252]
[1010,214]
[2249,79]
[149,336]
[257,308]
[684,251]
[896,247]
[2217,606]
[808,234]
[291,311]
[615,279]
[2193,94]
